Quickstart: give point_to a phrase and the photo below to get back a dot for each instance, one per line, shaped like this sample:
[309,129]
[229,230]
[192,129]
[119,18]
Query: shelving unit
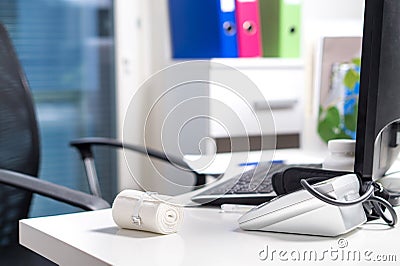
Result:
[280,82]
[143,48]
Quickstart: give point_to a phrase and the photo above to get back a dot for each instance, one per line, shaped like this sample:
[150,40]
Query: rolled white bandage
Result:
[133,209]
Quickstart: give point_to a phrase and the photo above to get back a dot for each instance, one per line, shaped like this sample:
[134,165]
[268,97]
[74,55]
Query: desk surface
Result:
[207,237]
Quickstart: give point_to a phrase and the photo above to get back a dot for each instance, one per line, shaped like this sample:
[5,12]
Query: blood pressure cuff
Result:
[288,180]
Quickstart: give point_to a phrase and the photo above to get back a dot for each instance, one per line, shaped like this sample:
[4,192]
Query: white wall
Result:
[131,70]
[324,18]
[142,49]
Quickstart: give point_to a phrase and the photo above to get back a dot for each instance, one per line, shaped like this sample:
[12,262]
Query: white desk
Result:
[207,237]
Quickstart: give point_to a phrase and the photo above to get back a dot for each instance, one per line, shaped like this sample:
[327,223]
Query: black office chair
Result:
[19,160]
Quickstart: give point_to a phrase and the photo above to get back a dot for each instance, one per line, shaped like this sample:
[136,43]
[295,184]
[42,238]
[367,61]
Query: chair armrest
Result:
[84,146]
[50,190]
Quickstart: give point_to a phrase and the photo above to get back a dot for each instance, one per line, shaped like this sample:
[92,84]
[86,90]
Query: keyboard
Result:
[251,187]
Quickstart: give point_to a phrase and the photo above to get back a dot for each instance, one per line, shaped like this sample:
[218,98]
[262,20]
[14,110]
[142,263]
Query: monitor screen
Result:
[378,139]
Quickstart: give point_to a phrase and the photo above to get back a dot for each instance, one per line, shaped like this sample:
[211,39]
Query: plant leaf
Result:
[350,120]
[325,131]
[329,124]
[351,78]
[356,61]
[342,135]
[332,116]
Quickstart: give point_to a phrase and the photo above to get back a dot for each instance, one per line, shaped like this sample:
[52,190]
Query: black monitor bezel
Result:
[378,126]
[369,81]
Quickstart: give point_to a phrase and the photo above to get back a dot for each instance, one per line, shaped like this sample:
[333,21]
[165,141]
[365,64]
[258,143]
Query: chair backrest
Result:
[19,139]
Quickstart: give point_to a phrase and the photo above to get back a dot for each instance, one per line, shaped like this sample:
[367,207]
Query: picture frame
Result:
[336,86]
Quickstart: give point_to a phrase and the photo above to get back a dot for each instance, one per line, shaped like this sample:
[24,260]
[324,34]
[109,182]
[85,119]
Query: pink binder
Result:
[248,28]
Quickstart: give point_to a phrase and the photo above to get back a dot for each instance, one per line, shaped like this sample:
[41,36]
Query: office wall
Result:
[130,71]
[142,49]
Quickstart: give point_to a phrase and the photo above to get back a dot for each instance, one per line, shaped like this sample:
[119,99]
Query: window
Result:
[66,48]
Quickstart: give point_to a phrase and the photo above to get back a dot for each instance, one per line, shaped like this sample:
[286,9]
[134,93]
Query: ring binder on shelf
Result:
[248,21]
[280,24]
[203,28]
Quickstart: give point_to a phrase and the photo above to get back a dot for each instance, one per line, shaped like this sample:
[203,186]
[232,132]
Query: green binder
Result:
[280,26]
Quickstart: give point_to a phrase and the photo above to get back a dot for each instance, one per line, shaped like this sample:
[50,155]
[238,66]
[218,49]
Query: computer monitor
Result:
[378,139]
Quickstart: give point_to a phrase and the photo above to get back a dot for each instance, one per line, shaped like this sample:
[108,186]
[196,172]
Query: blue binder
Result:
[203,28]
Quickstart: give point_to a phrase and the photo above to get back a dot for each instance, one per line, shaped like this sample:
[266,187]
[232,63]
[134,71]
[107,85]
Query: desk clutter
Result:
[235,28]
[146,211]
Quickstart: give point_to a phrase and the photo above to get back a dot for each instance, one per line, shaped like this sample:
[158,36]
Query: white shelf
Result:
[261,62]
[251,63]
[278,81]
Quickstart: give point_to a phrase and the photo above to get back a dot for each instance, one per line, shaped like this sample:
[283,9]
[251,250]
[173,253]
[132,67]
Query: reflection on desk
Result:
[207,237]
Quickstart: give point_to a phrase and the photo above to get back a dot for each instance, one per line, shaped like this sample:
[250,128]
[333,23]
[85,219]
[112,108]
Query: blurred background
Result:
[85,60]
[66,48]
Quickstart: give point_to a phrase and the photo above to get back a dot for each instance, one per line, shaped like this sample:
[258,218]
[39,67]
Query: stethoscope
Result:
[369,196]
